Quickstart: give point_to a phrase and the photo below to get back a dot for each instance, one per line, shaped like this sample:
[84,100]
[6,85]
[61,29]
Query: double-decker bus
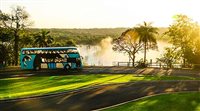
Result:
[51,58]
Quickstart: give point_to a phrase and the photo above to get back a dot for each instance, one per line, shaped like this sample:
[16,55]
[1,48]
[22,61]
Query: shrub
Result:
[196,66]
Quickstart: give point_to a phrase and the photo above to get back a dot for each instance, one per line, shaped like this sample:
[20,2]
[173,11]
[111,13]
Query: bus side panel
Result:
[74,55]
[74,65]
[27,61]
[51,65]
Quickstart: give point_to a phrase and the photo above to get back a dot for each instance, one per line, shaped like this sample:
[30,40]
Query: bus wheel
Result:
[67,67]
[37,68]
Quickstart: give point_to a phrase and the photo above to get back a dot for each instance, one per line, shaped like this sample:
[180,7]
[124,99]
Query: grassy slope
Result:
[21,87]
[166,102]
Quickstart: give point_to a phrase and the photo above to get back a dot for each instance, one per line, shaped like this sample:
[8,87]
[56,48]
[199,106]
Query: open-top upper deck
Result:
[50,48]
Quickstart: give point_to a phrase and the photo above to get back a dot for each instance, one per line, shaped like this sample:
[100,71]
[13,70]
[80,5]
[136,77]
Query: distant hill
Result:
[88,36]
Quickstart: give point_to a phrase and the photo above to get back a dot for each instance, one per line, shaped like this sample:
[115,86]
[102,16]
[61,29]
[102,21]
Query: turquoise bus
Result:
[51,58]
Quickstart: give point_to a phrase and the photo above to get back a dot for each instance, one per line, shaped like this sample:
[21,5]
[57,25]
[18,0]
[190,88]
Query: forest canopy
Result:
[89,36]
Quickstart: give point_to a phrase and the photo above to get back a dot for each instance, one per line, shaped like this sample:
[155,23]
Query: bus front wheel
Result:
[37,68]
[67,67]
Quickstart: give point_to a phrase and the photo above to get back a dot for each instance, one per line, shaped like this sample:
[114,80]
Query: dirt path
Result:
[100,97]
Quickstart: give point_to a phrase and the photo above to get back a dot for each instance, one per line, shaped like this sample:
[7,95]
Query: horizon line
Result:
[85,28]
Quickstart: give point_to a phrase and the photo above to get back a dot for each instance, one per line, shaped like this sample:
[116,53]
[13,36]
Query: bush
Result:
[196,66]
[141,65]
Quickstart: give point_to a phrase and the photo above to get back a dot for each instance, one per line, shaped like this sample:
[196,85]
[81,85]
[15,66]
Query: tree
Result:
[43,39]
[5,35]
[147,36]
[196,58]
[26,40]
[5,38]
[57,44]
[70,43]
[17,21]
[128,43]
[183,33]
[170,56]
[64,43]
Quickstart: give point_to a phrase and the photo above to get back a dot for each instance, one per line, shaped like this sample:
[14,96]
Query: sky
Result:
[103,13]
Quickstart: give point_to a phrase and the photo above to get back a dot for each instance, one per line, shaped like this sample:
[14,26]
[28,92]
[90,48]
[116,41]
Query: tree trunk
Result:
[184,62]
[133,61]
[16,46]
[129,60]
[145,51]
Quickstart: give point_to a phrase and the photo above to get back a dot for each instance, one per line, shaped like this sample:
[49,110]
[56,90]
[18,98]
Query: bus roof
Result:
[49,48]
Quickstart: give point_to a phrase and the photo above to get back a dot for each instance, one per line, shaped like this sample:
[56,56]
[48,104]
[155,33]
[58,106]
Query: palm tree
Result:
[147,36]
[26,40]
[43,39]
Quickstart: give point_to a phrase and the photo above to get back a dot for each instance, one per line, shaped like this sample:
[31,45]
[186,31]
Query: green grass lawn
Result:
[29,86]
[165,102]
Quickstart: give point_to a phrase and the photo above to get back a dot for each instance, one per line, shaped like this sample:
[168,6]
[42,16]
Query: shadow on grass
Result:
[103,96]
[167,102]
[20,87]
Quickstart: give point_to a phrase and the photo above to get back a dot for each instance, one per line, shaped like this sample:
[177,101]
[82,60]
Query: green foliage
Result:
[170,56]
[15,22]
[70,43]
[43,39]
[5,35]
[83,36]
[26,39]
[5,51]
[87,36]
[147,36]
[128,43]
[141,63]
[196,66]
[165,102]
[132,40]
[3,55]
[196,53]
[183,34]
[65,43]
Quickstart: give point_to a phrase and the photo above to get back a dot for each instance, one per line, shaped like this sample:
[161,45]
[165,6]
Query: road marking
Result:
[66,97]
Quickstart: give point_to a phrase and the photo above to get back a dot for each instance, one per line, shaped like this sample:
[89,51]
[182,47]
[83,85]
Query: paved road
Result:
[100,97]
